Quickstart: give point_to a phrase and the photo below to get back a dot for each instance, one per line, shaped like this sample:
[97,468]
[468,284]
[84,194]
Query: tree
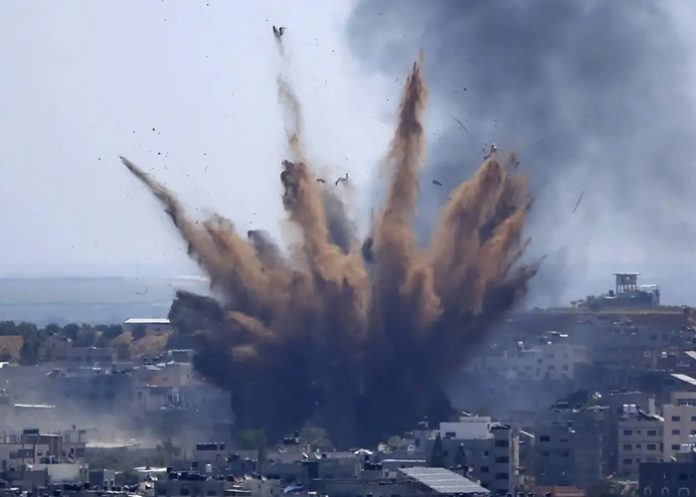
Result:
[437,455]
[102,341]
[53,329]
[123,352]
[316,437]
[138,332]
[8,328]
[85,338]
[394,442]
[29,353]
[112,331]
[251,439]
[71,330]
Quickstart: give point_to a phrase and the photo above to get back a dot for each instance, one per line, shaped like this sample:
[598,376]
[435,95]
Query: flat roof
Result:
[147,321]
[691,354]
[685,378]
[444,481]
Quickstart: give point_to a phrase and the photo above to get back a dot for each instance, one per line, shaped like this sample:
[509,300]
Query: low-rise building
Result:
[640,440]
[680,423]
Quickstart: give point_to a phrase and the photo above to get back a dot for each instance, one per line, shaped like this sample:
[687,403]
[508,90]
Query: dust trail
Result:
[404,276]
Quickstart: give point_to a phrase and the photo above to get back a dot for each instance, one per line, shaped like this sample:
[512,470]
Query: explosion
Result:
[356,339]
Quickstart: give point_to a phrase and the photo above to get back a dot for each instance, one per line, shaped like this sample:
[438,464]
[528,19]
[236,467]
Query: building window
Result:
[627,461]
[652,447]
[502,460]
[683,492]
[683,476]
[501,443]
[665,491]
[484,469]
[676,418]
[627,446]
[676,432]
[628,432]
[647,491]
[501,476]
[185,491]
[652,433]
[675,446]
[544,438]
[211,493]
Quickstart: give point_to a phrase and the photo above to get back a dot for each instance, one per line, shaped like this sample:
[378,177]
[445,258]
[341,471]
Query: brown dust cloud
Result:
[353,336]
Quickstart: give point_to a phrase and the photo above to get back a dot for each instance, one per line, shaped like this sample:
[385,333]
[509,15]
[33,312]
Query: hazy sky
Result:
[87,81]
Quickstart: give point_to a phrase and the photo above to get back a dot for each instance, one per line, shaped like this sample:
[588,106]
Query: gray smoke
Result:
[593,95]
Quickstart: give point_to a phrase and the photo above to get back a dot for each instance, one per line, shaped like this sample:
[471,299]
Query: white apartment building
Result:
[467,428]
[640,440]
[680,422]
[550,361]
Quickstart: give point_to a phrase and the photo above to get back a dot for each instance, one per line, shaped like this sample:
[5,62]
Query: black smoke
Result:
[593,95]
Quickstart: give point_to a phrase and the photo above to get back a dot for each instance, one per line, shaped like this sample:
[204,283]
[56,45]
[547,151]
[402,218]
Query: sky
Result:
[187,90]
[597,97]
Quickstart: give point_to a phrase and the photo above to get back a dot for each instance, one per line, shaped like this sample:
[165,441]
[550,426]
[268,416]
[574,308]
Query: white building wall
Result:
[640,440]
[471,428]
[680,422]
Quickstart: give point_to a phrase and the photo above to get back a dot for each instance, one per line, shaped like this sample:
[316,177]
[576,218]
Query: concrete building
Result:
[189,485]
[76,357]
[569,447]
[640,440]
[680,423]
[488,450]
[543,361]
[667,479]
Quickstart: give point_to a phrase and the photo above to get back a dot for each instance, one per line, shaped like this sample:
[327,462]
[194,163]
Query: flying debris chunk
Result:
[278,32]
[436,182]
[577,204]
[342,179]
[321,180]
[491,151]
[461,124]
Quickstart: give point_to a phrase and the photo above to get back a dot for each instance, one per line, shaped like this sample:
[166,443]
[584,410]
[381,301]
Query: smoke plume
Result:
[358,345]
[599,93]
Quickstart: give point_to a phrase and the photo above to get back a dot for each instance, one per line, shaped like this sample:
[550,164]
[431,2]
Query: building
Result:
[488,451]
[569,447]
[640,440]
[147,324]
[667,479]
[680,423]
[189,485]
[76,357]
[440,481]
[553,361]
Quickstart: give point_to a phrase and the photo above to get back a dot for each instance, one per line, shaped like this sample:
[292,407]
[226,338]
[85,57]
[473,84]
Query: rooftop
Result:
[685,378]
[147,321]
[444,481]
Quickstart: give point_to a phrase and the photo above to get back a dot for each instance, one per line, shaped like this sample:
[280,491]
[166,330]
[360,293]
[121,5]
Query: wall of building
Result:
[640,441]
[680,422]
